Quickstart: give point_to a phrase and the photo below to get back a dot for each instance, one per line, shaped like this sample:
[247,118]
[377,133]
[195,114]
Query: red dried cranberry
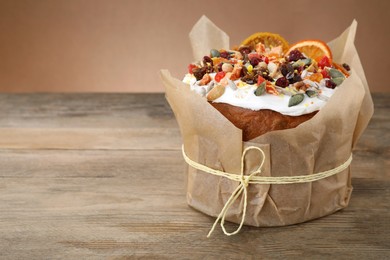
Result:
[254,61]
[282,82]
[219,67]
[330,84]
[199,72]
[295,55]
[346,66]
[224,54]
[325,74]
[244,49]
[207,59]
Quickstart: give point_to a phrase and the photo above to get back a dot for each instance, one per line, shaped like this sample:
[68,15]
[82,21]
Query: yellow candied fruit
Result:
[241,84]
[250,68]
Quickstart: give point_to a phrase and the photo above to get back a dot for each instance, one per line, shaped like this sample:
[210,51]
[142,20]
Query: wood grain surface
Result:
[101,176]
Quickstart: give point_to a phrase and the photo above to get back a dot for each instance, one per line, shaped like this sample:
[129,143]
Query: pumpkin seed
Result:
[215,53]
[338,80]
[295,99]
[301,63]
[333,73]
[311,93]
[260,89]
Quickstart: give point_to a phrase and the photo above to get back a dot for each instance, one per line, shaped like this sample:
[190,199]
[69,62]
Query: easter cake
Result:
[265,84]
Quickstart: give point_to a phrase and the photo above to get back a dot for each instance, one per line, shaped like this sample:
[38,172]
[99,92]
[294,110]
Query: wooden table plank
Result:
[73,203]
[90,138]
[100,193]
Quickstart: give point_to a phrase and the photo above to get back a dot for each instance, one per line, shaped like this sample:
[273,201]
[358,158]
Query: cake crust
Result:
[256,123]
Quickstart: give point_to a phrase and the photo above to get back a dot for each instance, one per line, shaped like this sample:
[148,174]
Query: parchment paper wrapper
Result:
[322,143]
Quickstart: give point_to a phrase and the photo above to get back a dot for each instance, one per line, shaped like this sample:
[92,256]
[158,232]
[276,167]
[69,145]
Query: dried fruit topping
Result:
[199,72]
[313,49]
[295,55]
[254,61]
[346,66]
[260,80]
[271,89]
[220,75]
[282,82]
[324,62]
[286,68]
[219,67]
[191,67]
[236,73]
[317,77]
[325,74]
[224,54]
[300,86]
[207,59]
[205,80]
[264,58]
[267,40]
[249,79]
[330,84]
[244,49]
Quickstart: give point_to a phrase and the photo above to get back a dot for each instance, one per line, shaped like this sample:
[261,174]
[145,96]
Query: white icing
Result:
[244,97]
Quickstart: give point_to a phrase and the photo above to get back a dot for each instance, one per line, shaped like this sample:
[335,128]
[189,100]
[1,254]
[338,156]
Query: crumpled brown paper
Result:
[322,143]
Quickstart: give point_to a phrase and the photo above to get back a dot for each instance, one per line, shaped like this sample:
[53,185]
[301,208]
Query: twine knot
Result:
[245,181]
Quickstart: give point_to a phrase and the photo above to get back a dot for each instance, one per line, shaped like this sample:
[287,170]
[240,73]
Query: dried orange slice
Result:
[268,39]
[314,49]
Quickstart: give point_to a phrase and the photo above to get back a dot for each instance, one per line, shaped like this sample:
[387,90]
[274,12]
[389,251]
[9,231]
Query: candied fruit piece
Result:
[191,67]
[220,75]
[324,62]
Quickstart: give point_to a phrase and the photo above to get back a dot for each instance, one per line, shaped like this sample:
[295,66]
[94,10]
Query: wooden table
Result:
[102,176]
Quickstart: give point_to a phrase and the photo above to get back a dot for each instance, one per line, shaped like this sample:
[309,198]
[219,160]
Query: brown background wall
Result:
[119,46]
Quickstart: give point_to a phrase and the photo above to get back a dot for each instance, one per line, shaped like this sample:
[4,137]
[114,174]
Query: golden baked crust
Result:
[256,123]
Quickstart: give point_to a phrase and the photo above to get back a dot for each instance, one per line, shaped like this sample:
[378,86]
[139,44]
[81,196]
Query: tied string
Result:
[244,182]
[252,178]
